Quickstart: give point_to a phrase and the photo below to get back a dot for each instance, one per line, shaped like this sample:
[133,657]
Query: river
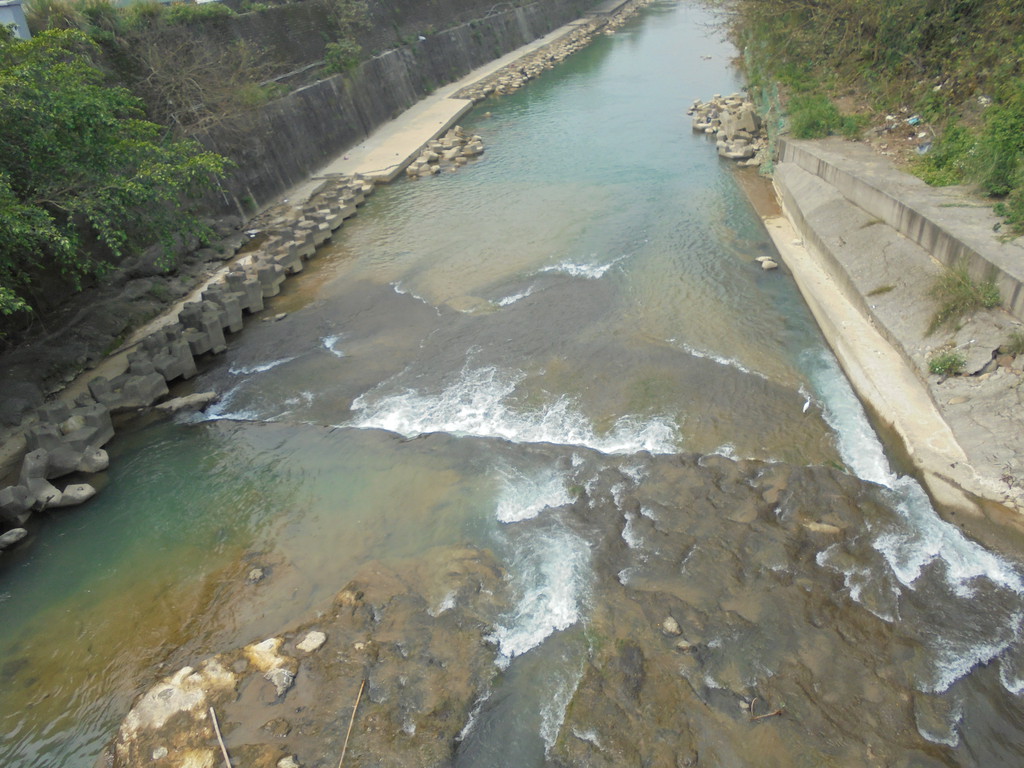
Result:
[513,357]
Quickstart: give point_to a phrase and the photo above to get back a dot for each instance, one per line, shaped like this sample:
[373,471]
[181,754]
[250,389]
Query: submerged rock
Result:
[312,642]
[193,402]
[12,537]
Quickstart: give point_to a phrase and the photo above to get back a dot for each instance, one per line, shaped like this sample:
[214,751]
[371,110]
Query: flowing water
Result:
[570,312]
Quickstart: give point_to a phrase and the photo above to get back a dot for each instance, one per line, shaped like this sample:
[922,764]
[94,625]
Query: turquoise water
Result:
[590,283]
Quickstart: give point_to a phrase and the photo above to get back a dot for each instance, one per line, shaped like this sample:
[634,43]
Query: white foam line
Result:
[329,343]
[553,711]
[588,271]
[551,573]
[915,536]
[523,497]
[478,405]
[509,300]
[260,368]
[404,292]
[720,359]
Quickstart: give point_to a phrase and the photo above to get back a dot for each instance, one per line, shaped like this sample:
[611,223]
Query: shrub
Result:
[812,117]
[1015,346]
[851,126]
[252,95]
[1012,208]
[949,160]
[187,13]
[341,56]
[100,14]
[959,295]
[78,165]
[947,363]
[1001,145]
[53,14]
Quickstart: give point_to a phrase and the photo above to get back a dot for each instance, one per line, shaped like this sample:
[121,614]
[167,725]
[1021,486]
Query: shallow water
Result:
[585,294]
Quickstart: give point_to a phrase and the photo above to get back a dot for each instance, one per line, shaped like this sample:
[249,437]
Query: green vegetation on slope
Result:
[188,81]
[958,64]
[78,165]
[959,295]
[100,109]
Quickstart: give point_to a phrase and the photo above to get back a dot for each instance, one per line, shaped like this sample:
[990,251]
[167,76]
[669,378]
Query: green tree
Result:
[79,164]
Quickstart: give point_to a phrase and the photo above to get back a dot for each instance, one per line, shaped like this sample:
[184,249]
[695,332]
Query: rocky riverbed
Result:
[731,622]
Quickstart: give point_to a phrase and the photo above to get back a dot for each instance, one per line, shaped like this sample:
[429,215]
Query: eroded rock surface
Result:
[735,613]
[290,697]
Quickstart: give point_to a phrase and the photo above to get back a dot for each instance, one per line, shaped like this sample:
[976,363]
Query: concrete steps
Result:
[879,271]
[872,241]
[943,221]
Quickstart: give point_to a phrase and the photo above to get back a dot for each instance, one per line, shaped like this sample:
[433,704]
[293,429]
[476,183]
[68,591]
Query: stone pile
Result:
[63,440]
[450,152]
[59,439]
[734,122]
[511,78]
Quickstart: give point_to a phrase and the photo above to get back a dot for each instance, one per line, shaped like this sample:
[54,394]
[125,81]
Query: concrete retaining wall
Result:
[283,143]
[930,217]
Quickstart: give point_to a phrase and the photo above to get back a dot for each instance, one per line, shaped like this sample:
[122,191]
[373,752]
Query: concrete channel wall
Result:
[941,224]
[866,243]
[284,142]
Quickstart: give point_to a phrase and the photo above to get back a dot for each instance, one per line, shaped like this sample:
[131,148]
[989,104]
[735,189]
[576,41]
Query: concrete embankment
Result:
[865,243]
[67,434]
[289,139]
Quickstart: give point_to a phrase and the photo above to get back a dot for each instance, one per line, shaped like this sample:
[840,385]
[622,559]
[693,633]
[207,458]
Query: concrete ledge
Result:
[868,283]
[880,377]
[883,274]
[937,219]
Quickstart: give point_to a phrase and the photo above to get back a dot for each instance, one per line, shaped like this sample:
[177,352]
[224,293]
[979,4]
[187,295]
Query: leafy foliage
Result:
[950,160]
[184,82]
[1015,346]
[957,63]
[78,163]
[947,363]
[959,295]
[348,17]
[1001,144]
[813,116]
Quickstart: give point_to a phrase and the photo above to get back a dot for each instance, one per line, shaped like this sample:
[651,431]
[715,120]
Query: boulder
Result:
[93,460]
[76,494]
[312,642]
[33,477]
[15,504]
[12,537]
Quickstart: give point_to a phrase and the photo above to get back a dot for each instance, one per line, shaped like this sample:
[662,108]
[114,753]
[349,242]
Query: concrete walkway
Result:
[393,146]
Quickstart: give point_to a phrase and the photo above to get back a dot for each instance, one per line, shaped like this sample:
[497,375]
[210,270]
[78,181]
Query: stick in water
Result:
[216,729]
[351,722]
